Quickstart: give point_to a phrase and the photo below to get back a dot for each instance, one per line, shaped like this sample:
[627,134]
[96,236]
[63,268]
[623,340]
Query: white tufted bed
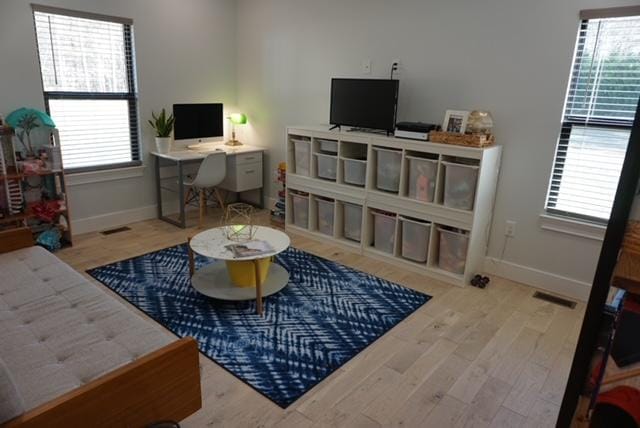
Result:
[72,355]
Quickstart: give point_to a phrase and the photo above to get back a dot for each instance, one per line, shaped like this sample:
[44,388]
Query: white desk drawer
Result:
[247,158]
[241,177]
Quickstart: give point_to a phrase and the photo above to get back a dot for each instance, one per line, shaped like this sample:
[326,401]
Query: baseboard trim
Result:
[114,219]
[556,284]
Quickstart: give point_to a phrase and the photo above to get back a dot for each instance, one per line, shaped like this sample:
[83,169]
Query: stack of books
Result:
[278,211]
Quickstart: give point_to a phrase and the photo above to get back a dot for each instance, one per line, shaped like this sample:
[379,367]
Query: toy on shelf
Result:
[278,211]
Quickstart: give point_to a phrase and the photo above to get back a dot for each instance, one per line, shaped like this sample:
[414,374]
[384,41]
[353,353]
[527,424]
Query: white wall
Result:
[510,57]
[185,52]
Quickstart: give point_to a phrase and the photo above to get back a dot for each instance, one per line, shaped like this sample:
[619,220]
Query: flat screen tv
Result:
[364,103]
[198,122]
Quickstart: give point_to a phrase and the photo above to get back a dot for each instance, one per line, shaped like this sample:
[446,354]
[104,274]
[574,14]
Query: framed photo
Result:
[455,121]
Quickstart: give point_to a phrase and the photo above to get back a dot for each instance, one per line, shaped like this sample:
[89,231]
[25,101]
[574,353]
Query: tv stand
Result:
[334,127]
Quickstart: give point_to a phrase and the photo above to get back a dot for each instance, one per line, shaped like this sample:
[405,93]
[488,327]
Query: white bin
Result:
[352,221]
[460,185]
[388,169]
[453,250]
[327,166]
[325,216]
[301,151]
[327,146]
[300,210]
[355,171]
[415,239]
[384,231]
[422,178]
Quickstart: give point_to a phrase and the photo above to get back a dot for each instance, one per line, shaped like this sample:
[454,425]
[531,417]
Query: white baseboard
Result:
[114,219]
[121,218]
[553,283]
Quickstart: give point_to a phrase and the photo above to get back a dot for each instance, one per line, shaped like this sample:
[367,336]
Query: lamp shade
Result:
[238,118]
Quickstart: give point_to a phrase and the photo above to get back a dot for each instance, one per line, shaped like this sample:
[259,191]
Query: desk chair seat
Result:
[211,172]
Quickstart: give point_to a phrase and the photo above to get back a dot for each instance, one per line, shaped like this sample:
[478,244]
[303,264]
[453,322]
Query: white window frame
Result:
[571,222]
[131,95]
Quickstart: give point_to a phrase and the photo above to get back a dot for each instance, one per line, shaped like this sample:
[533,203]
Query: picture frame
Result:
[455,121]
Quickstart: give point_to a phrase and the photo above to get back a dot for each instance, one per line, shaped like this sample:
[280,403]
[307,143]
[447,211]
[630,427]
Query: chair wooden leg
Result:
[203,205]
[187,196]
[256,265]
[219,197]
[192,263]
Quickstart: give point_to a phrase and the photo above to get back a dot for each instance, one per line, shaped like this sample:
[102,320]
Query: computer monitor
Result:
[198,123]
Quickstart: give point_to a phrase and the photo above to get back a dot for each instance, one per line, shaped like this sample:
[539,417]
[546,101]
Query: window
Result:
[599,110]
[88,70]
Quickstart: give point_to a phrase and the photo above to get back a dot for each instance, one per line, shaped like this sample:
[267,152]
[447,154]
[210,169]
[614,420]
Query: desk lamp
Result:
[236,119]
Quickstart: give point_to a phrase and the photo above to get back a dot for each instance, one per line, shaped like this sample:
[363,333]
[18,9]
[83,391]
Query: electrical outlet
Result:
[395,68]
[366,66]
[510,229]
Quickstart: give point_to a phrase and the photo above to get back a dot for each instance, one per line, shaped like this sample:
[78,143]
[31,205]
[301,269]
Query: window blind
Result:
[87,67]
[600,106]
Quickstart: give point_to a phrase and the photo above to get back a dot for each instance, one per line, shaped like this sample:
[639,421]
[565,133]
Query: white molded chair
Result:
[211,172]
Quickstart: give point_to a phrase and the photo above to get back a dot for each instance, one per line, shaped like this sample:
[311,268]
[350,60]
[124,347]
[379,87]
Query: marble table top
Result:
[212,243]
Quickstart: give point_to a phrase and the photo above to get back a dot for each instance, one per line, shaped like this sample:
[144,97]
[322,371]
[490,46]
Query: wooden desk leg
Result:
[192,264]
[256,265]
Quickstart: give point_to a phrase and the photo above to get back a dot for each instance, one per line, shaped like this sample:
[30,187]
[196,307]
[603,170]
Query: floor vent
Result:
[116,230]
[554,299]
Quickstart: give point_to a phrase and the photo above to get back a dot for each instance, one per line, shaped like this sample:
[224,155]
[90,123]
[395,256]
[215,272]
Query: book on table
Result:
[250,249]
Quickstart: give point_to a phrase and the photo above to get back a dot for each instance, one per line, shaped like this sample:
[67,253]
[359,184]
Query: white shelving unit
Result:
[352,145]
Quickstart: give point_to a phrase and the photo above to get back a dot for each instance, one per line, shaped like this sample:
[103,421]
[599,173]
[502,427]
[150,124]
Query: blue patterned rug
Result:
[326,315]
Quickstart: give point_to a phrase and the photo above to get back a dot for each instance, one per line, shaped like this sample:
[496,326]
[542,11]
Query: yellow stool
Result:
[242,272]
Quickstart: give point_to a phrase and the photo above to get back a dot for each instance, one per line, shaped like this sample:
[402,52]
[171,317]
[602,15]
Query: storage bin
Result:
[301,151]
[422,178]
[384,231]
[300,209]
[460,185]
[453,250]
[415,239]
[325,216]
[388,169]
[327,146]
[352,221]
[327,166]
[355,171]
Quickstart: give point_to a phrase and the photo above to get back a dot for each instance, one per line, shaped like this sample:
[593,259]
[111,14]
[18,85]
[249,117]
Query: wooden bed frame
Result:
[14,239]
[163,385]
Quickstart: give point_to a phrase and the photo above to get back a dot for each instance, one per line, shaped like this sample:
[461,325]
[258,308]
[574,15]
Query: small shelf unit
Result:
[390,188]
[21,192]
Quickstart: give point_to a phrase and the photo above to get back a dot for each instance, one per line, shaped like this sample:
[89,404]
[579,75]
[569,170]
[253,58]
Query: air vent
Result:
[554,299]
[116,230]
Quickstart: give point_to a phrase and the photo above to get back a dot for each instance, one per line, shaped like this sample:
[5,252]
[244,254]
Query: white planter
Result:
[163,144]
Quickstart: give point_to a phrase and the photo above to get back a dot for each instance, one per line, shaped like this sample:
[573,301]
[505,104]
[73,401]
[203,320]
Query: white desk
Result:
[244,171]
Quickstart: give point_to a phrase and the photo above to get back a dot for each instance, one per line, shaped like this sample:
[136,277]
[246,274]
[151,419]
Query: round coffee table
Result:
[215,279]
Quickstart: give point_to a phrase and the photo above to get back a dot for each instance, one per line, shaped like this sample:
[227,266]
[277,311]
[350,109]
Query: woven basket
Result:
[469,140]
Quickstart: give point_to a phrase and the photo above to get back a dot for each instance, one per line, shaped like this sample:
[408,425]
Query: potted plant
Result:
[163,126]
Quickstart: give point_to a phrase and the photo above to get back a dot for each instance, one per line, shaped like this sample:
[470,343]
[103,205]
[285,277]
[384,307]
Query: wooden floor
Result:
[468,358]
